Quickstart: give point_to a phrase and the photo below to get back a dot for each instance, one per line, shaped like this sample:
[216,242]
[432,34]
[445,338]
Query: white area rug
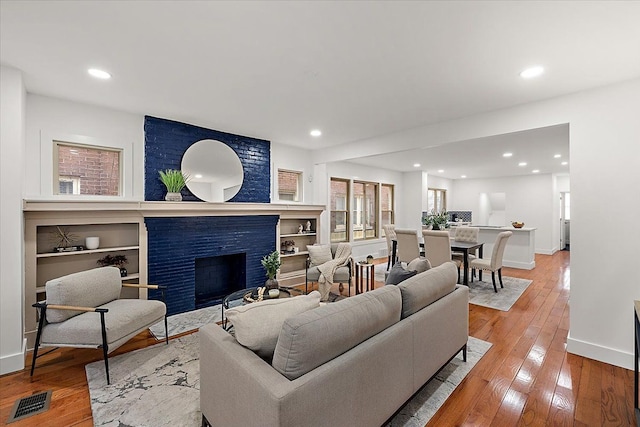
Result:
[189,321]
[481,292]
[159,386]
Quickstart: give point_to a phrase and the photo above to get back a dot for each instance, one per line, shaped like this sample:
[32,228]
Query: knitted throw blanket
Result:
[328,269]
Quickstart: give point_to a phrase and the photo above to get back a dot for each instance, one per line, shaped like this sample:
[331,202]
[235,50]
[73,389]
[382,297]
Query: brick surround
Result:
[175,242]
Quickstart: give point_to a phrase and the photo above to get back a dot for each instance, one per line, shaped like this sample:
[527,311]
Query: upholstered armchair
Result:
[494,263]
[84,310]
[342,274]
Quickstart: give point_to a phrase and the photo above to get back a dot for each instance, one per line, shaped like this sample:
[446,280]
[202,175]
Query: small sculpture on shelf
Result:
[308,226]
[300,229]
[116,261]
[63,240]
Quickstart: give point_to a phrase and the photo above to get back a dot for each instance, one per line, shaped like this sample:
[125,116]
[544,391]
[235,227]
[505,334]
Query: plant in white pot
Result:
[175,181]
[271,264]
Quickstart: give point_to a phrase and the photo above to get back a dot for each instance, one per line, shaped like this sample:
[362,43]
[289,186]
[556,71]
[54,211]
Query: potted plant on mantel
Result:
[116,261]
[437,221]
[175,181]
[271,263]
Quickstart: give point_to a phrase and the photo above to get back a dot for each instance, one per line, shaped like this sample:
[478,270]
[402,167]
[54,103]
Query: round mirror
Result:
[215,170]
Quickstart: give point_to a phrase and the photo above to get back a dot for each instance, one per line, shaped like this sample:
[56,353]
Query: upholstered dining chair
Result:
[408,247]
[84,310]
[465,234]
[438,249]
[494,263]
[390,235]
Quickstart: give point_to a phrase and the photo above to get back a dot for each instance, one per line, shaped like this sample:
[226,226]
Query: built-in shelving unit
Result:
[292,270]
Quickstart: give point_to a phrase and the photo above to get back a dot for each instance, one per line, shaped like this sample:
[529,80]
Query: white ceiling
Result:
[356,70]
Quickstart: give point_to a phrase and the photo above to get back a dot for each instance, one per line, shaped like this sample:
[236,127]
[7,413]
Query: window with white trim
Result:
[86,170]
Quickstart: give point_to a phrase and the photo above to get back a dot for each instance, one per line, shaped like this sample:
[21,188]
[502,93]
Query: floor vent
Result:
[30,405]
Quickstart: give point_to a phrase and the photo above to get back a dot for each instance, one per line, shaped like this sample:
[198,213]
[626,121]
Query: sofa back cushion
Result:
[91,288]
[315,337]
[422,289]
[257,326]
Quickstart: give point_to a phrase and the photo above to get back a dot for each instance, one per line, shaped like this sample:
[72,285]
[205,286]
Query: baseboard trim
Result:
[13,362]
[521,265]
[608,355]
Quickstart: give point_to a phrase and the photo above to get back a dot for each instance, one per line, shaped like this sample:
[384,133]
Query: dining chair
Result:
[408,247]
[494,263]
[438,248]
[390,235]
[465,234]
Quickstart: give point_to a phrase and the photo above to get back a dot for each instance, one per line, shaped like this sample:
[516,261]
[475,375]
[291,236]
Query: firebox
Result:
[218,276]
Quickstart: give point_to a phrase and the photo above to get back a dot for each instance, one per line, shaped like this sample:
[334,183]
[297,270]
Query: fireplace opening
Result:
[218,276]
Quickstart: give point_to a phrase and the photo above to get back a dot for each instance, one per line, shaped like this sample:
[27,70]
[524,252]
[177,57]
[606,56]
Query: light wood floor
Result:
[526,378]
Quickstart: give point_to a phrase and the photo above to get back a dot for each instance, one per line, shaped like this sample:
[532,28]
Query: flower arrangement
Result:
[289,244]
[115,260]
[174,180]
[437,220]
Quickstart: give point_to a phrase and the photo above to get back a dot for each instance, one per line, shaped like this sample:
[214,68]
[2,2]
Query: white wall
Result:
[527,198]
[295,159]
[51,117]
[12,122]
[604,152]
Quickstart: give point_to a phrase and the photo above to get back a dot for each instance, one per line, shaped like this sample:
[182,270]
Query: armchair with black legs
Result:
[84,310]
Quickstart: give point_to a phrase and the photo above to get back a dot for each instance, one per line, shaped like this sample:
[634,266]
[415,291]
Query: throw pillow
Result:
[419,265]
[319,254]
[398,274]
[258,325]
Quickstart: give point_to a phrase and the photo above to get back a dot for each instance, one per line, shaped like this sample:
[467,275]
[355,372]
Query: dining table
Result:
[456,246]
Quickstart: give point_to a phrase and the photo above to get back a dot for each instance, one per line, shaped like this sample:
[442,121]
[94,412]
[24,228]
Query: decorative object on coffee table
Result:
[116,261]
[271,264]
[175,181]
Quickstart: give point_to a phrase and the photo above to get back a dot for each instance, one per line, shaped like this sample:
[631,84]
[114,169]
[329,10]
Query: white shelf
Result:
[87,251]
[133,276]
[298,234]
[296,254]
[291,274]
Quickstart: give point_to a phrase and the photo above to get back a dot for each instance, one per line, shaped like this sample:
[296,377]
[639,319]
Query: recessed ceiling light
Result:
[197,175]
[522,164]
[440,170]
[99,74]
[463,176]
[532,72]
[535,171]
[557,156]
[315,132]
[416,165]
[564,163]
[507,155]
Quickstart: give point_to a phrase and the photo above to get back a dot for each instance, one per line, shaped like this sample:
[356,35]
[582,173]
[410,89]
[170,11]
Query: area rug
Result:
[188,321]
[160,386]
[482,293]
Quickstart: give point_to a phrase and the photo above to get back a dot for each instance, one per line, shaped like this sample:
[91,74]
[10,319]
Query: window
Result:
[437,199]
[386,205]
[364,210]
[289,185]
[86,170]
[339,210]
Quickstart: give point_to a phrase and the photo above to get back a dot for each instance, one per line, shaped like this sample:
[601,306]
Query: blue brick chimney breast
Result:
[175,242]
[165,142]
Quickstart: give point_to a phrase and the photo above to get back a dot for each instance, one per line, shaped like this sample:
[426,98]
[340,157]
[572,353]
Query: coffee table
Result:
[239,298]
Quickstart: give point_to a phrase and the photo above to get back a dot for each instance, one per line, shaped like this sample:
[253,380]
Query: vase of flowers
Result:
[271,264]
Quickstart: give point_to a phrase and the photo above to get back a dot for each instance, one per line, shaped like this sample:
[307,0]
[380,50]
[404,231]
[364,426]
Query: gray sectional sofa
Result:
[353,362]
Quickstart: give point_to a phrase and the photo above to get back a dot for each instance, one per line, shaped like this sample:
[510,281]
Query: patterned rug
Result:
[160,386]
[481,292]
[188,321]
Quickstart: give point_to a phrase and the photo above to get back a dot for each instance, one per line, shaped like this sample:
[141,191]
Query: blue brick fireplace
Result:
[174,244]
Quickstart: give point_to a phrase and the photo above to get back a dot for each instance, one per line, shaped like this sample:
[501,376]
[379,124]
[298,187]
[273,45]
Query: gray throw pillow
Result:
[398,274]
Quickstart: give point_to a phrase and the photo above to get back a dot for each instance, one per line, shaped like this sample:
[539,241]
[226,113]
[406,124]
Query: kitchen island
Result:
[520,250]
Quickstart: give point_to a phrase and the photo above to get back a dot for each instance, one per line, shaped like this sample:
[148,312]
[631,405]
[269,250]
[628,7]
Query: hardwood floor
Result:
[527,378]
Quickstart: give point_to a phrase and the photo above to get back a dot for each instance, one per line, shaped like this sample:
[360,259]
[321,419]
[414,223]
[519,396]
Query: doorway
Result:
[565,221]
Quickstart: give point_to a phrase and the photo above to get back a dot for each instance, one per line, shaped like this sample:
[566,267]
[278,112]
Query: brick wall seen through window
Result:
[90,170]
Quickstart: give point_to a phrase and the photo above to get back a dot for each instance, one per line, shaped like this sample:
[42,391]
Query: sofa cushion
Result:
[419,265]
[422,289]
[314,337]
[398,274]
[319,254]
[91,288]
[257,325]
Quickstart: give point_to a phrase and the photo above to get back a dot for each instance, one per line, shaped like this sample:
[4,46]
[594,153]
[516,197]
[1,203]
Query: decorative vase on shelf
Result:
[173,197]
[271,284]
